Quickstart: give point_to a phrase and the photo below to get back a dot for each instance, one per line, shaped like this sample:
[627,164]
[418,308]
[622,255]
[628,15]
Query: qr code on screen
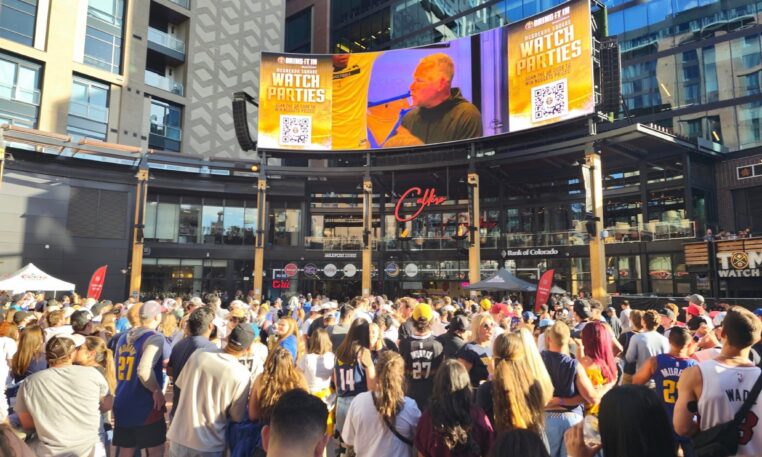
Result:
[550,100]
[295,130]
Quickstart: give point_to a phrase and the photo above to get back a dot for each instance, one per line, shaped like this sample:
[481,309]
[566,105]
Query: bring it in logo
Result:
[739,260]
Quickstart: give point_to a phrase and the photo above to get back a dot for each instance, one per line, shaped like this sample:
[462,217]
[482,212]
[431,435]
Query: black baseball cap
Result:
[241,337]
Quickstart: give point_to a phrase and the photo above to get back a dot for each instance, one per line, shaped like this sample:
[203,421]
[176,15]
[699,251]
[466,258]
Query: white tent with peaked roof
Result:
[31,278]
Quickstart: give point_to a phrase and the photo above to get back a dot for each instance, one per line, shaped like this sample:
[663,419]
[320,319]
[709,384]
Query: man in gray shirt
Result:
[647,344]
[339,331]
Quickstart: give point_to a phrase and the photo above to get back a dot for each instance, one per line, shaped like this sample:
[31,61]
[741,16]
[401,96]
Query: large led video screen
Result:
[531,73]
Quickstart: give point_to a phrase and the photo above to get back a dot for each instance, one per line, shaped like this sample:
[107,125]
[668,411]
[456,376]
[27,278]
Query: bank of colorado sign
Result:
[739,264]
[531,252]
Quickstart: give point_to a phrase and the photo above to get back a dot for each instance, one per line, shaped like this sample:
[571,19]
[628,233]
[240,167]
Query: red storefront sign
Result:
[426,198]
[281,283]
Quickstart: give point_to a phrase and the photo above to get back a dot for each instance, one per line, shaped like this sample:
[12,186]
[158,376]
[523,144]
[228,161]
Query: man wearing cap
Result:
[423,355]
[139,403]
[214,389]
[667,320]
[63,404]
[455,337]
[696,308]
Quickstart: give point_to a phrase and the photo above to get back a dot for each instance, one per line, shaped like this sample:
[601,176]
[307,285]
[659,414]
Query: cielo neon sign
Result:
[425,198]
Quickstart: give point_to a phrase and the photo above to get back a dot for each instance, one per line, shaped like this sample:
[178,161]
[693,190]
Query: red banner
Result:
[543,289]
[96,283]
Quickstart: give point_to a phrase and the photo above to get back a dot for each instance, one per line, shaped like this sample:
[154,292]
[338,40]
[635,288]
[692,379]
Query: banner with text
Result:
[534,72]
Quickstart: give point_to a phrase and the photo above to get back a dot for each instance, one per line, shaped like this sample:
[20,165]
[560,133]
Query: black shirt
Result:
[451,343]
[423,355]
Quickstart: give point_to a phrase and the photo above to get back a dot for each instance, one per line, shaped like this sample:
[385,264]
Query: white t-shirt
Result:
[65,405]
[317,370]
[214,387]
[624,320]
[254,361]
[50,332]
[8,348]
[366,431]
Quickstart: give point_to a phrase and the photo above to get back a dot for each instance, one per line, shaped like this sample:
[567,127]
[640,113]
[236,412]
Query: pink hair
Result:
[597,342]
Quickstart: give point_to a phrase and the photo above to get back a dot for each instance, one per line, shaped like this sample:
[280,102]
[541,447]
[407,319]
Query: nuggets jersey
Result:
[668,371]
[350,379]
[350,102]
[422,355]
[723,392]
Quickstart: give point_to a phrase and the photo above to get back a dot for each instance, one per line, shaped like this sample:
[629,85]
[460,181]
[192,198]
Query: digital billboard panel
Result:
[531,73]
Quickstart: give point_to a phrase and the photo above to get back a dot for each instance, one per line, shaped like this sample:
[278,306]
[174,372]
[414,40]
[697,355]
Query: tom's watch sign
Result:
[739,264]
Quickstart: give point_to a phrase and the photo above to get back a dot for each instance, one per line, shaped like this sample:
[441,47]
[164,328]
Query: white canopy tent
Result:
[31,278]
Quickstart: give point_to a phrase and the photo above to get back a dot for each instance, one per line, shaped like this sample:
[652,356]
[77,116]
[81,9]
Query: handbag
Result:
[722,439]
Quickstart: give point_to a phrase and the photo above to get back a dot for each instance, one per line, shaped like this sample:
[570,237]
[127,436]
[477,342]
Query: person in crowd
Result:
[405,312]
[535,362]
[718,387]
[63,403]
[133,318]
[697,308]
[476,354]
[515,398]
[382,421]
[56,321]
[279,376]
[355,372]
[254,358]
[647,343]
[81,322]
[339,331]
[665,370]
[11,445]
[170,330]
[139,402]
[582,315]
[571,387]
[288,337]
[519,442]
[667,320]
[318,364]
[453,425]
[595,355]
[199,426]
[9,336]
[198,327]
[94,353]
[381,323]
[635,410]
[624,316]
[614,322]
[636,325]
[30,357]
[708,344]
[423,355]
[297,426]
[455,337]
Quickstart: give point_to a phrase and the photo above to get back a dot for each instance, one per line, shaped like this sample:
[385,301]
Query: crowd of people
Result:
[376,377]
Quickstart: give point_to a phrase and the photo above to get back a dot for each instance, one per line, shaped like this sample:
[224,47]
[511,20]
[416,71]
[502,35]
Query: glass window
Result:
[190,217]
[166,132]
[299,32]
[233,222]
[749,124]
[285,226]
[249,225]
[89,100]
[213,222]
[19,81]
[167,220]
[660,274]
[17,20]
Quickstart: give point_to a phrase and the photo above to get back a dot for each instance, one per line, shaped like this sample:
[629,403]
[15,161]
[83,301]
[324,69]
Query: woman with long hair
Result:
[9,335]
[515,398]
[382,422]
[476,354]
[30,356]
[279,376]
[288,337]
[632,423]
[94,353]
[317,366]
[536,364]
[597,358]
[354,372]
[453,425]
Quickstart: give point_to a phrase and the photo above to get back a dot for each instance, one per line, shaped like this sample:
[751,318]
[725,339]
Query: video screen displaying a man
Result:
[440,112]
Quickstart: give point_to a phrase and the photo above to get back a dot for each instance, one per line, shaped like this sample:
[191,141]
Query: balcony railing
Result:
[437,243]
[88,111]
[162,82]
[544,239]
[167,131]
[20,94]
[166,40]
[652,231]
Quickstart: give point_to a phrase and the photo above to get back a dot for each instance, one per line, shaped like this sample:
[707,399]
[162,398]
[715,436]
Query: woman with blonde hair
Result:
[288,337]
[382,421]
[476,354]
[317,366]
[279,376]
[30,356]
[536,364]
[515,398]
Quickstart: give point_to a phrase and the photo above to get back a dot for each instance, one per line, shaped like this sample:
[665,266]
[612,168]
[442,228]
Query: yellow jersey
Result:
[350,102]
